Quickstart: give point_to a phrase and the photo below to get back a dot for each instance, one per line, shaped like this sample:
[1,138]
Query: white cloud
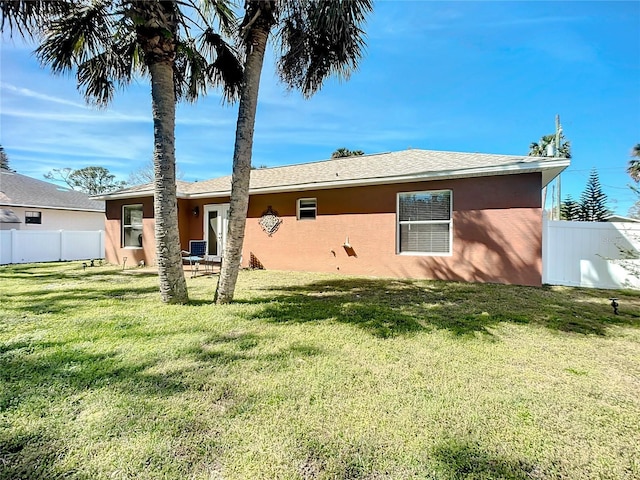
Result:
[25,92]
[66,117]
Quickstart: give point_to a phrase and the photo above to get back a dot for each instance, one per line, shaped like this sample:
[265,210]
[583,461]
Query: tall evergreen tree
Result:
[569,209]
[4,159]
[593,201]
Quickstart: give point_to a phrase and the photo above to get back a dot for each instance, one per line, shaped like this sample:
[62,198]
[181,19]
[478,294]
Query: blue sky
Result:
[459,76]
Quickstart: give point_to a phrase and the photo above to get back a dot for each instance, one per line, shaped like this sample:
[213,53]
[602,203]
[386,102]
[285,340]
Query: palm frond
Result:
[222,12]
[85,31]
[28,17]
[190,72]
[634,170]
[99,75]
[322,38]
[226,70]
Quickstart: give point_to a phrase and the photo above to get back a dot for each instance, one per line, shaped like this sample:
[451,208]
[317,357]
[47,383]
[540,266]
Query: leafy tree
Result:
[90,180]
[4,160]
[593,201]
[345,152]
[634,164]
[539,149]
[316,39]
[110,42]
[569,209]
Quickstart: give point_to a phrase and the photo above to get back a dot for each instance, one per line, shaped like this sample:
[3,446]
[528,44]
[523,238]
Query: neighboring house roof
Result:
[620,218]
[384,168]
[21,191]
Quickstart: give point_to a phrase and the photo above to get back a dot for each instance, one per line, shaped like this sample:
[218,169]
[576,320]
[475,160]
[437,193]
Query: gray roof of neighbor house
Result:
[621,219]
[384,168]
[21,191]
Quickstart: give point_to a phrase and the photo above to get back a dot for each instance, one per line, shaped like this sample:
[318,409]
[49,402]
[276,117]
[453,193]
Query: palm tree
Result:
[317,39]
[27,16]
[345,152]
[112,41]
[540,149]
[634,164]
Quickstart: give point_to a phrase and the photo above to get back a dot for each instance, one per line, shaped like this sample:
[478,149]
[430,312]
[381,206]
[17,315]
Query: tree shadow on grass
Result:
[42,379]
[66,300]
[59,288]
[57,271]
[27,455]
[386,308]
[461,460]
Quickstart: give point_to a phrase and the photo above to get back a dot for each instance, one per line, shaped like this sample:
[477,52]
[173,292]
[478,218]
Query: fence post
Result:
[545,248]
[14,245]
[101,251]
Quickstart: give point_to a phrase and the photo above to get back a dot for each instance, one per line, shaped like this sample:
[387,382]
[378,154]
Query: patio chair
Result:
[195,255]
[210,261]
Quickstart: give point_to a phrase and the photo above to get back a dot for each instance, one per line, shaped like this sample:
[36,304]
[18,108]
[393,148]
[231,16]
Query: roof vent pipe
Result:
[551,147]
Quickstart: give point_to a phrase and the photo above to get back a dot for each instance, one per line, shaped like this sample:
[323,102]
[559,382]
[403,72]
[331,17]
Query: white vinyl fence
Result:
[591,254]
[27,246]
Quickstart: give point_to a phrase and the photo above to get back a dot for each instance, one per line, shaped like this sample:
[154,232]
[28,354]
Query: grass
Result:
[313,376]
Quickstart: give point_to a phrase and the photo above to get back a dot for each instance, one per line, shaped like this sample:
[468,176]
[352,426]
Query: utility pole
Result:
[557,154]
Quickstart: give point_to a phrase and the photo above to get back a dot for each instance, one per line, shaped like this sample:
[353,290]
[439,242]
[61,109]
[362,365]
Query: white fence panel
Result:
[82,245]
[591,254]
[5,247]
[20,246]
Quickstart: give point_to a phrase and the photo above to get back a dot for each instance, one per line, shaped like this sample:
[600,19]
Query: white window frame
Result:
[448,222]
[131,226]
[300,208]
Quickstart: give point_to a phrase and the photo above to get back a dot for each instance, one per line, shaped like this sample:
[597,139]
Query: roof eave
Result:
[125,195]
[53,207]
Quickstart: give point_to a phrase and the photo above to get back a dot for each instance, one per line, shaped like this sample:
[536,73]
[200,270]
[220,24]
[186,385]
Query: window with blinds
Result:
[424,222]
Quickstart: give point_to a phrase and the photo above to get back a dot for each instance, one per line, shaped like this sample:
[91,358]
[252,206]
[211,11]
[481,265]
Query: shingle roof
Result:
[22,191]
[393,167]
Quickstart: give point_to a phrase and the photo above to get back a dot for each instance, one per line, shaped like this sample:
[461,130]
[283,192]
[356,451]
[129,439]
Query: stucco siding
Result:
[497,231]
[115,252]
[497,228]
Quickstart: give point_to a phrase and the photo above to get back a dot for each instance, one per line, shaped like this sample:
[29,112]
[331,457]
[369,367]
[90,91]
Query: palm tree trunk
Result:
[258,35]
[173,286]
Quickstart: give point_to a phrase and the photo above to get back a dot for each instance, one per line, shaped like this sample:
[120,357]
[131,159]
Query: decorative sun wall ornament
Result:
[270,221]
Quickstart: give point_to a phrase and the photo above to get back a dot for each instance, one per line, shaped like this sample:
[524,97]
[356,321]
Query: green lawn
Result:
[311,376]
